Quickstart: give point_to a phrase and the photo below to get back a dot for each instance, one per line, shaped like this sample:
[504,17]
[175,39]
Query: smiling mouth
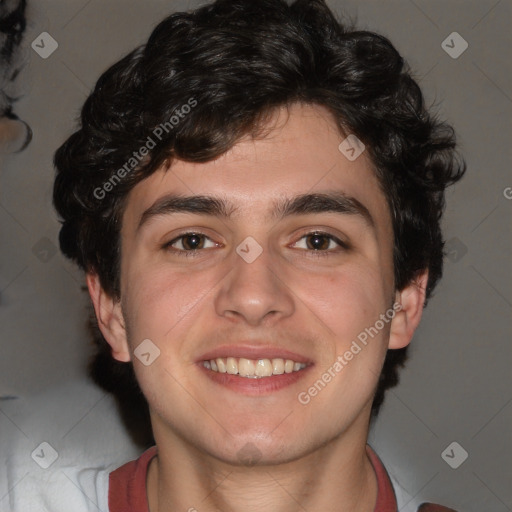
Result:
[253,368]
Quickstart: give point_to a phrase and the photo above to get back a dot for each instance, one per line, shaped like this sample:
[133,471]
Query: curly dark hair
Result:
[236,61]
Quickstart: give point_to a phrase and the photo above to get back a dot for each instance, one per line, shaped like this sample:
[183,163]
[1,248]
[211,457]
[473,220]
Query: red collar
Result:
[386,499]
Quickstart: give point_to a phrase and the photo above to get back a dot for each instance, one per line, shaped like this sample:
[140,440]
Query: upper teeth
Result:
[254,368]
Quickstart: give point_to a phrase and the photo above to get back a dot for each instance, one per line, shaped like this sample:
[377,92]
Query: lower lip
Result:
[255,387]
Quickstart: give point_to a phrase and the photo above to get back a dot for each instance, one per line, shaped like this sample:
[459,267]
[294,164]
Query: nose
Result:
[255,292]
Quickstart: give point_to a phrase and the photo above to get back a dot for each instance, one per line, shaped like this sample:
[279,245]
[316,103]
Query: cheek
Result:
[157,301]
[348,299]
[349,302]
[161,306]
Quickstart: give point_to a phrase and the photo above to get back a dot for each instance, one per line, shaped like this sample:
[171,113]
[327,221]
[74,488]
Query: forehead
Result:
[298,154]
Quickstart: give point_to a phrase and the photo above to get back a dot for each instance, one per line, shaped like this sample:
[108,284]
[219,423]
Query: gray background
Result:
[456,386]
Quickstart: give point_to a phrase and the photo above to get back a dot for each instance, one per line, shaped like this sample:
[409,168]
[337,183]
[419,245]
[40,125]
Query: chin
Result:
[257,450]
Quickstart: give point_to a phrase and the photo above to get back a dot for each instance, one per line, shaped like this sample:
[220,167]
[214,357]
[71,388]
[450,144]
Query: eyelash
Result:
[312,252]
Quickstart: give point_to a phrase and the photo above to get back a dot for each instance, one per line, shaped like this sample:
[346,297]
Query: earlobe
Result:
[110,318]
[409,304]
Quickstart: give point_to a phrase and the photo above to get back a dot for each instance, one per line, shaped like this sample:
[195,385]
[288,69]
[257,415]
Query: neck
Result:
[337,477]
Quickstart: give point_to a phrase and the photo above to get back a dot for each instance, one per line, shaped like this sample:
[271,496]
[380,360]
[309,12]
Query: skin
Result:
[311,457]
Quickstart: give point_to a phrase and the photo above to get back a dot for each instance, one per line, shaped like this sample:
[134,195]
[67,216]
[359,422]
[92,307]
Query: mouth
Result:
[254,370]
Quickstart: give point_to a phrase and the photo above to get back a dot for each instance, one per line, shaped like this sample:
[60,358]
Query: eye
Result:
[189,243]
[317,243]
[320,242]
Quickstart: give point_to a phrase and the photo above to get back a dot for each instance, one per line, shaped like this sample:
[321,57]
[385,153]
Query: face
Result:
[263,278]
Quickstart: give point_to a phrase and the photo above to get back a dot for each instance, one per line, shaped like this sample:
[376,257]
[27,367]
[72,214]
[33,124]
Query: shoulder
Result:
[68,489]
[58,448]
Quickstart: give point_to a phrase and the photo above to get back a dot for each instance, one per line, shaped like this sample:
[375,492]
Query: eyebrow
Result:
[328,202]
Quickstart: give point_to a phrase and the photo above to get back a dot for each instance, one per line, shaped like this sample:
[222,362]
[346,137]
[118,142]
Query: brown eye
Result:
[317,241]
[189,242]
[321,243]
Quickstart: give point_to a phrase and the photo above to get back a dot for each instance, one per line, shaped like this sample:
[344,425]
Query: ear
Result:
[408,305]
[110,318]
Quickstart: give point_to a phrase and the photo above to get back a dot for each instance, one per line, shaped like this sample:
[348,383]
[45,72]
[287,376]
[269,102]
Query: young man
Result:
[255,196]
